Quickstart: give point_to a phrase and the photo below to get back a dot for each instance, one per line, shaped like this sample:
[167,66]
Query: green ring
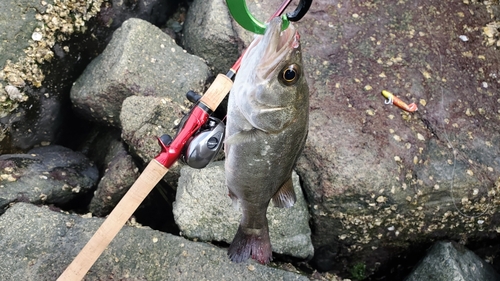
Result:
[240,13]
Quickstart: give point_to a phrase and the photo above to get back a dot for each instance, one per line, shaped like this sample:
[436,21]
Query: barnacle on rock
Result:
[59,20]
[491,30]
[3,94]
[14,93]
[492,34]
[471,213]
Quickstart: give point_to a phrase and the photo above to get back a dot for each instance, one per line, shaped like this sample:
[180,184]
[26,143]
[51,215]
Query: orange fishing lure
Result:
[392,99]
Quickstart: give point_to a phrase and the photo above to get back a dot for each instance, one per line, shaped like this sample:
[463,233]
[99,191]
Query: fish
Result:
[266,129]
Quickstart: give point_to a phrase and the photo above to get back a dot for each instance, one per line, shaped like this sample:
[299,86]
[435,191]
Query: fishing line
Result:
[449,143]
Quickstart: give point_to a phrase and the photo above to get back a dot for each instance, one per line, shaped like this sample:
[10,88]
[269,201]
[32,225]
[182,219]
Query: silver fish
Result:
[267,122]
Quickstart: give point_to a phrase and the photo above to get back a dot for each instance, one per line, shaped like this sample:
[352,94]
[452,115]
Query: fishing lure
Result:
[392,99]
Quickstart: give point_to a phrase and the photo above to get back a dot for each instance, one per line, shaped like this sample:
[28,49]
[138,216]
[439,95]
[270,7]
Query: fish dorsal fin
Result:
[245,136]
[285,197]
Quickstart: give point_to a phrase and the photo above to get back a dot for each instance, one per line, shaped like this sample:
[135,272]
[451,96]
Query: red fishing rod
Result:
[171,149]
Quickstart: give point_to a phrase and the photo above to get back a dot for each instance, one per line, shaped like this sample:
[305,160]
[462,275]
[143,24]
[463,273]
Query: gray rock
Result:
[204,211]
[45,70]
[16,26]
[140,60]
[208,33]
[38,123]
[25,123]
[38,244]
[155,12]
[448,261]
[144,119]
[120,174]
[101,145]
[212,33]
[378,178]
[48,175]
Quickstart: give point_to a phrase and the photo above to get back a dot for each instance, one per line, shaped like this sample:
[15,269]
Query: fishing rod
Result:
[171,148]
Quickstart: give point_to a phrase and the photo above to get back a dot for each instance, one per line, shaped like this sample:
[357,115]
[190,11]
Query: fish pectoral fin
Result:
[285,196]
[244,136]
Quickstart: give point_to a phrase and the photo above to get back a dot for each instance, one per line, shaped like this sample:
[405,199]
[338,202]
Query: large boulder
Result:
[143,120]
[119,175]
[380,179]
[212,33]
[377,178]
[44,47]
[451,261]
[45,175]
[32,109]
[209,33]
[140,60]
[38,244]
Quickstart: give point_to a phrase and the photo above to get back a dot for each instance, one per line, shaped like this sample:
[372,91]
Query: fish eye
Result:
[290,74]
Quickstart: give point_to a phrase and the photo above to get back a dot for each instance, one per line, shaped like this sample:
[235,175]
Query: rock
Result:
[211,32]
[379,179]
[140,60]
[101,145]
[120,174]
[45,175]
[3,203]
[36,114]
[450,261]
[155,12]
[17,24]
[38,121]
[204,211]
[208,33]
[44,62]
[38,244]
[144,119]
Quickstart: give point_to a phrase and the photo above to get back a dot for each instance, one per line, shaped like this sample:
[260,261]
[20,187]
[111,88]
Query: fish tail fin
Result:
[251,242]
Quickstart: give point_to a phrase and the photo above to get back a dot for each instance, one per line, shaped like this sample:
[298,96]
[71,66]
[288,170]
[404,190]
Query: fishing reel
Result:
[205,144]
[201,146]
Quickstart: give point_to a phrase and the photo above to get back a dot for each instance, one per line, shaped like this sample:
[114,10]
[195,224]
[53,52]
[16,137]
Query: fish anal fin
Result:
[234,199]
[285,196]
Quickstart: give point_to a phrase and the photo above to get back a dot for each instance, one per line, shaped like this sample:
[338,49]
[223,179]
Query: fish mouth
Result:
[273,47]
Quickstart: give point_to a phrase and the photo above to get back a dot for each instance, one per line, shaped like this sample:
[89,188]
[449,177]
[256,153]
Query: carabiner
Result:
[300,11]
[240,13]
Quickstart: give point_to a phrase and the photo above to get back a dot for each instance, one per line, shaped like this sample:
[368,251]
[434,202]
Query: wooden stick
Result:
[117,218]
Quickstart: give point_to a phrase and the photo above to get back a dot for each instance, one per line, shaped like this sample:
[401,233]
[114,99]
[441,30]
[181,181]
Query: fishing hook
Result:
[240,13]
[392,99]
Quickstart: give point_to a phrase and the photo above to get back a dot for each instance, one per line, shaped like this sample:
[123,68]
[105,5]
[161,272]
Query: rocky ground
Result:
[86,89]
